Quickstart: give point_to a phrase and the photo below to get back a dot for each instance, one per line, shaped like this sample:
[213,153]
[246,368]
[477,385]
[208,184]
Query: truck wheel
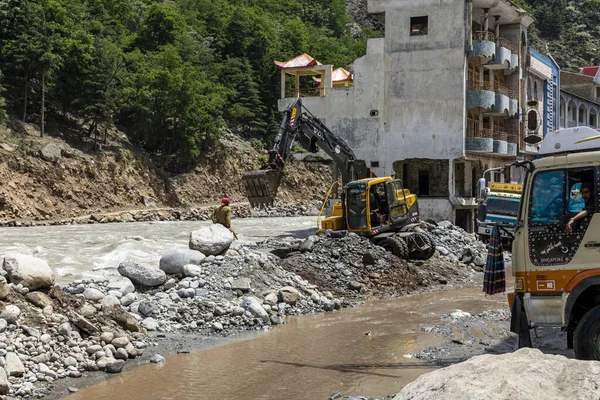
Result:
[425,254]
[586,341]
[396,246]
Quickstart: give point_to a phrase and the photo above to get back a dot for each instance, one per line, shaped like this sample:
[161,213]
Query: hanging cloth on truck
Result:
[494,278]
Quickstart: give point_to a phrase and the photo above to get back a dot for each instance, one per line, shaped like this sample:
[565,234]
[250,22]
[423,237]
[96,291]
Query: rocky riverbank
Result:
[170,214]
[217,288]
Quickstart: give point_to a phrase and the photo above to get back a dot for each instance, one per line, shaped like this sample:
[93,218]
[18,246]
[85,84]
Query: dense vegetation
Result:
[171,74]
[570,29]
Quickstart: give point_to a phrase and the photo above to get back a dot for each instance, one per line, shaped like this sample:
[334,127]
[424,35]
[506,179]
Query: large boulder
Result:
[173,263]
[495,377]
[141,274]
[211,240]
[32,272]
[50,153]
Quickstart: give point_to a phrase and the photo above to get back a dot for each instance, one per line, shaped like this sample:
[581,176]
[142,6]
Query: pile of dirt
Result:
[82,178]
[353,267]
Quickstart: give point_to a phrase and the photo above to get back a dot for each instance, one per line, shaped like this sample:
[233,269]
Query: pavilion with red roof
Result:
[306,65]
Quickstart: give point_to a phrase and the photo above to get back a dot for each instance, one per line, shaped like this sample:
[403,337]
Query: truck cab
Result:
[502,209]
[556,249]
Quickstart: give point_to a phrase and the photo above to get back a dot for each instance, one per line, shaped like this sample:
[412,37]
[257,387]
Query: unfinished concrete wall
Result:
[425,120]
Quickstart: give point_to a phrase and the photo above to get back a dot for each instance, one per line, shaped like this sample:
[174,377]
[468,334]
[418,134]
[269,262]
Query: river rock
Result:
[271,299]
[122,284]
[148,308]
[51,153]
[10,313]
[141,274]
[32,272]
[211,240]
[38,299]
[493,377]
[109,300]
[252,304]
[128,299]
[14,366]
[150,324]
[114,366]
[93,294]
[173,263]
[121,354]
[4,385]
[289,294]
[3,325]
[192,270]
[4,288]
[123,318]
[65,329]
[157,358]
[308,243]
[82,323]
[120,342]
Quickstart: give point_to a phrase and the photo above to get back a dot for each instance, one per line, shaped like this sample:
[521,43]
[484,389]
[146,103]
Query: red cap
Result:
[224,201]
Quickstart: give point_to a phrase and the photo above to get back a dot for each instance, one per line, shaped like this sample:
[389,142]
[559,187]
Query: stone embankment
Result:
[218,287]
[170,214]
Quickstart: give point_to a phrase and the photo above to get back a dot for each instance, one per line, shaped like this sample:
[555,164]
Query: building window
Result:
[374,164]
[597,91]
[419,26]
[424,182]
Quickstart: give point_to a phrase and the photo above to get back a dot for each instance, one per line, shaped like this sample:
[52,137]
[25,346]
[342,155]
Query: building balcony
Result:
[480,141]
[483,46]
[480,95]
[501,143]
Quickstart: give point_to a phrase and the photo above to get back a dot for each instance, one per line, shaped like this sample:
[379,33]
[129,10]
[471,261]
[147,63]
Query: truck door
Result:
[555,198]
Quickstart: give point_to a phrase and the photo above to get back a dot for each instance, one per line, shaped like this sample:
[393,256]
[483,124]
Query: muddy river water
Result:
[363,350]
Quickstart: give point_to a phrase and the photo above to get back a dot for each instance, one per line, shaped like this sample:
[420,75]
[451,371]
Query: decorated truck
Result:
[502,209]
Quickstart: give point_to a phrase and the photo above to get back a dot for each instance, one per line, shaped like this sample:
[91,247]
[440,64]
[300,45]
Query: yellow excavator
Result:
[379,208]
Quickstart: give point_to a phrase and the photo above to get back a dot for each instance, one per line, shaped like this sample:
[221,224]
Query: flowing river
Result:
[359,351]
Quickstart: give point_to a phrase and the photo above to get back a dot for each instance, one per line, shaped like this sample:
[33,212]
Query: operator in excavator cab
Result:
[379,208]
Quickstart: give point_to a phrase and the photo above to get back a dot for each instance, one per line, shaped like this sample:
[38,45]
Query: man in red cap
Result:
[222,215]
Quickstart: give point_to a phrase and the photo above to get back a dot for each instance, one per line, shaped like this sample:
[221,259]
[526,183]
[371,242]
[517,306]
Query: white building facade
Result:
[437,100]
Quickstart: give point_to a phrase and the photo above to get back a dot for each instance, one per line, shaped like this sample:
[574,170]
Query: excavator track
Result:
[261,186]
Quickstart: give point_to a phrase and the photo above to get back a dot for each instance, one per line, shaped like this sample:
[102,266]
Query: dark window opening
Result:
[424,182]
[374,164]
[419,26]
[374,113]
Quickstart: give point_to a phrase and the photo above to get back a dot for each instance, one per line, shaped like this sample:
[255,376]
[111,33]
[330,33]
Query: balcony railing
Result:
[507,44]
[483,35]
[498,88]
[476,85]
[480,133]
[499,135]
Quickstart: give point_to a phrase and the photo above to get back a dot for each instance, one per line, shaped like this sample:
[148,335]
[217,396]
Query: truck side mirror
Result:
[482,190]
[481,212]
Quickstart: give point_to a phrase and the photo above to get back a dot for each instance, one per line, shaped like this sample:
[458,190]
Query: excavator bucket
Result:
[261,186]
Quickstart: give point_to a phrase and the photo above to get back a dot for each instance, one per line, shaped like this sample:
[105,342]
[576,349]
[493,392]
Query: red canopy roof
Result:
[303,60]
[339,75]
[589,71]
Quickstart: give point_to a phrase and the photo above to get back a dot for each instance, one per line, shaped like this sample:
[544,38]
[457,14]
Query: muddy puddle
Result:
[358,351]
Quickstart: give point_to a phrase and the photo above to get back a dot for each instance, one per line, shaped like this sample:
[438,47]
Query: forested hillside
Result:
[570,29]
[170,74]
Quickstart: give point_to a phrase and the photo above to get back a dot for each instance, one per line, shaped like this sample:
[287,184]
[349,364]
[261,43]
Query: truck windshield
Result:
[356,197]
[503,206]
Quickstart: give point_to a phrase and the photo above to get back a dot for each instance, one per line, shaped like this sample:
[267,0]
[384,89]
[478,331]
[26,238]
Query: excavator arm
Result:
[261,186]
